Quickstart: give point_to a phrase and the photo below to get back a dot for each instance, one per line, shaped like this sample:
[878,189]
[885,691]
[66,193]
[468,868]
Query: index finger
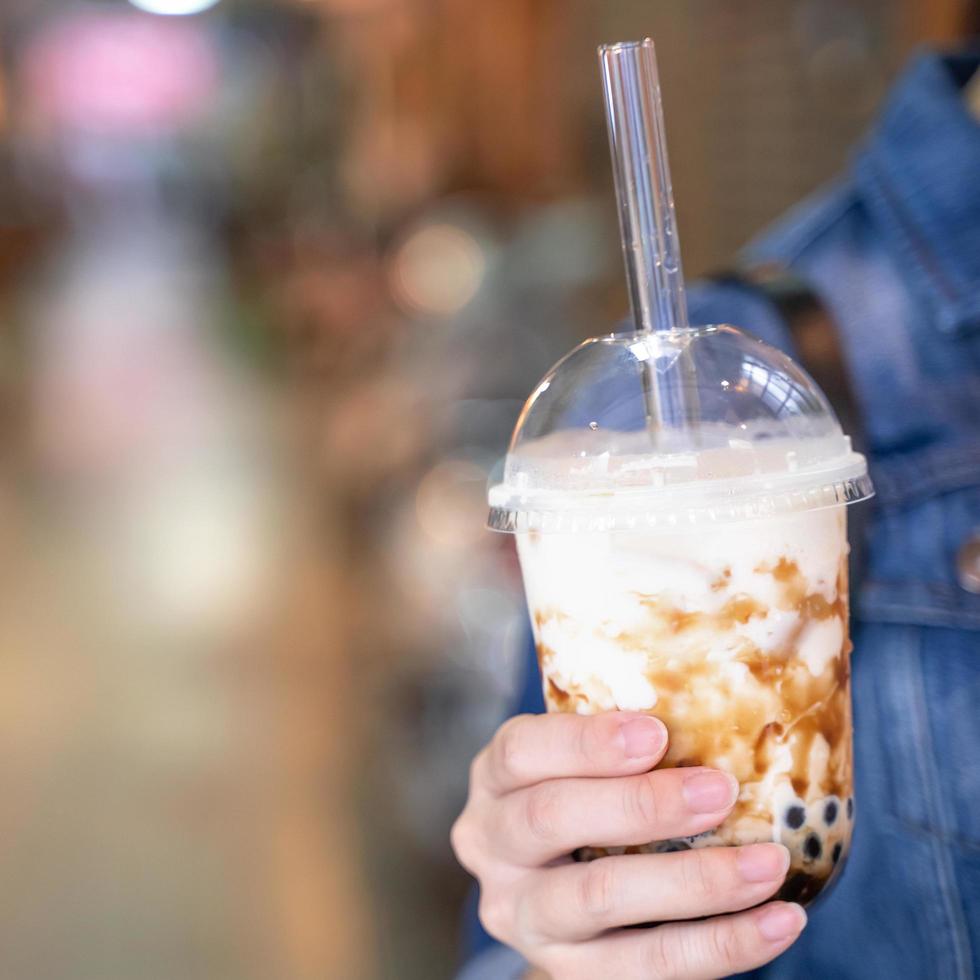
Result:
[531,748]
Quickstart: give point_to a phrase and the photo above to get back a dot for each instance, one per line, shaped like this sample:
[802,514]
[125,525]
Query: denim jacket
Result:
[893,249]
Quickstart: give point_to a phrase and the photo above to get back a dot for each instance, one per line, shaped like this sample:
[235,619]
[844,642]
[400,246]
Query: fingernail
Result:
[643,737]
[708,792]
[779,922]
[762,862]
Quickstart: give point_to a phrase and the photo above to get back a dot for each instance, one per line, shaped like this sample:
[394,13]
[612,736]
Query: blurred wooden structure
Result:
[941,21]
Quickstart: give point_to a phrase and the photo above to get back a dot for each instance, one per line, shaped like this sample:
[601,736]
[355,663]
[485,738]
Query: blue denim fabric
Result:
[894,250]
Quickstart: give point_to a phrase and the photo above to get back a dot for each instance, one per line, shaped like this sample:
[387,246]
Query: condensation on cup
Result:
[679,495]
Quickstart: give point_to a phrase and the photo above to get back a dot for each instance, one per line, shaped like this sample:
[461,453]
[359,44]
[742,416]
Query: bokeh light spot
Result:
[437,270]
[173,7]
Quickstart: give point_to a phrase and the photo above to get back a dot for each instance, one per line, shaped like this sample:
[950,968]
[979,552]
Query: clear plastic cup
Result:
[678,495]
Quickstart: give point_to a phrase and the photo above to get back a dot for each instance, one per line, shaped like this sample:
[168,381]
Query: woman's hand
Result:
[548,784]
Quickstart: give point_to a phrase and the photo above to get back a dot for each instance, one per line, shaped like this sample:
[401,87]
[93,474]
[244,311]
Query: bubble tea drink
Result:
[678,495]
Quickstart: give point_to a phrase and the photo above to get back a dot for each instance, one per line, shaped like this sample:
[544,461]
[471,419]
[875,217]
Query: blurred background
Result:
[274,281]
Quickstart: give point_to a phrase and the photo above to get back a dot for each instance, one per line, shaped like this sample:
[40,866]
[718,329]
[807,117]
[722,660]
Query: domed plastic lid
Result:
[673,429]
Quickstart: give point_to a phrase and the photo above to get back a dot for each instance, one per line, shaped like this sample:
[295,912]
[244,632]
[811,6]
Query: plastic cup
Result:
[678,497]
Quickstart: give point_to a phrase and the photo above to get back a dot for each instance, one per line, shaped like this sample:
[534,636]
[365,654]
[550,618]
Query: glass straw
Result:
[635,116]
[648,225]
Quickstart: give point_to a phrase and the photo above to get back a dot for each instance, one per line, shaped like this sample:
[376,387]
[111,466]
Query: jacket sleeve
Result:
[740,306]
[494,963]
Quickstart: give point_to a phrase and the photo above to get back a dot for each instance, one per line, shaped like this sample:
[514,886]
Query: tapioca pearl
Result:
[831,810]
[835,854]
[795,816]
[691,841]
[812,847]
[850,808]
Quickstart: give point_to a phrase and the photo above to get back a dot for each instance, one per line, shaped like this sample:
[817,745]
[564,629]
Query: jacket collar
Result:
[919,174]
